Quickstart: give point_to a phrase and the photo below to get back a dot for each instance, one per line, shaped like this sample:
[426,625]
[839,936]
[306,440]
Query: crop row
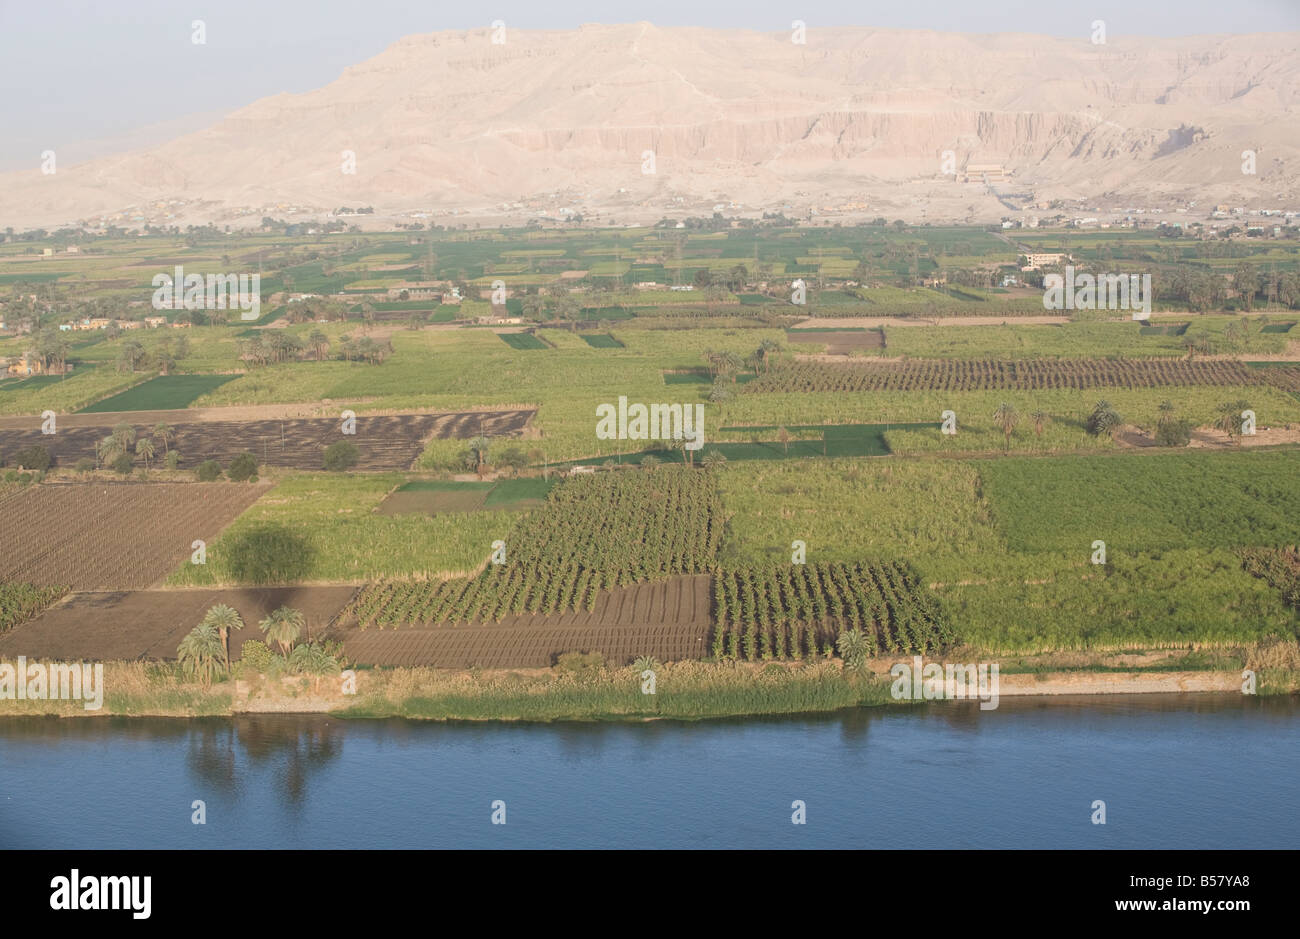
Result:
[795,610]
[20,602]
[595,532]
[1017,375]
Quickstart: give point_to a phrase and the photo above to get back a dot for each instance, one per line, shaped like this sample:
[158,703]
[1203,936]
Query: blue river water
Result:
[1218,771]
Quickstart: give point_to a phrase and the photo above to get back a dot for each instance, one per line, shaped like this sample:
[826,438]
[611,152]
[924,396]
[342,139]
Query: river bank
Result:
[589,690]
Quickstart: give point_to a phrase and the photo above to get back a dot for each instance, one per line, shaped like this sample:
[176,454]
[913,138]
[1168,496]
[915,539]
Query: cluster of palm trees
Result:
[204,653]
[1105,419]
[123,441]
[727,364]
[711,460]
[1228,417]
[1007,417]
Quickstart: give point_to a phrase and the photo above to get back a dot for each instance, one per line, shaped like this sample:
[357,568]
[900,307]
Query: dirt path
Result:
[1208,438]
[873,322]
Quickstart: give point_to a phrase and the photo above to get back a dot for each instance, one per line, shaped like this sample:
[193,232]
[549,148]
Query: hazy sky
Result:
[73,72]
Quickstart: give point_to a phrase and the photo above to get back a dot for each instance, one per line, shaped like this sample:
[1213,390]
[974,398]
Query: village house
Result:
[1034,261]
[425,290]
[27,365]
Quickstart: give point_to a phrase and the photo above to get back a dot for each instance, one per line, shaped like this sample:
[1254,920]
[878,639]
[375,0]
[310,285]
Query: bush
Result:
[85,465]
[122,464]
[1174,433]
[243,468]
[32,458]
[209,471]
[173,459]
[342,455]
[578,663]
[513,458]
[256,657]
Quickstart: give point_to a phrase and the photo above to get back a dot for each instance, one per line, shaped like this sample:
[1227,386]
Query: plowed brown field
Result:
[126,625]
[385,442]
[104,536]
[669,619]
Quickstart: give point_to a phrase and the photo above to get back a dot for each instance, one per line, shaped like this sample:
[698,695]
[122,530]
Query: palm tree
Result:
[1039,417]
[649,462]
[223,619]
[144,448]
[853,649]
[673,444]
[199,653]
[1104,418]
[783,436]
[311,658]
[1007,417]
[1229,417]
[479,448]
[283,627]
[729,364]
[164,434]
[106,450]
[124,436]
[713,460]
[765,352]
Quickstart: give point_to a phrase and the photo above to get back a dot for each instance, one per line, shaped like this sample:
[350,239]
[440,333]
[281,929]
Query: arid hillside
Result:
[851,120]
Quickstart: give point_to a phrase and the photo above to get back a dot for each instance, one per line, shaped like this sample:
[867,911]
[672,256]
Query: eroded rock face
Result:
[451,120]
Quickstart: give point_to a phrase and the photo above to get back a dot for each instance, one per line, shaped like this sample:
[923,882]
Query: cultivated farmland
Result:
[107,536]
[668,619]
[387,442]
[1021,375]
[135,624]
[595,532]
[164,393]
[793,610]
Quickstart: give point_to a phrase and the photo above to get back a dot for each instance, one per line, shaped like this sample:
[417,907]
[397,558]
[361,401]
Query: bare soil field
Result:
[668,619]
[840,342]
[138,624]
[246,412]
[1213,439]
[102,536]
[386,442]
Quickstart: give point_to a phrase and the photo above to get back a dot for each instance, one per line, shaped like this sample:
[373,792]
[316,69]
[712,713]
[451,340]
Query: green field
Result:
[320,528]
[166,392]
[1008,544]
[522,341]
[601,341]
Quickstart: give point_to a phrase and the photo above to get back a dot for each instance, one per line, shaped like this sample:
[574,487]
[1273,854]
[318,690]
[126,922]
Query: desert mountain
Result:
[855,120]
